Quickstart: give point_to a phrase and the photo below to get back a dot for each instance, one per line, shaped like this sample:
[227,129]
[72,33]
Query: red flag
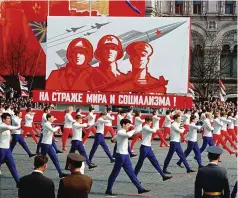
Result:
[21,78]
[222,85]
[190,85]
[2,79]
[24,93]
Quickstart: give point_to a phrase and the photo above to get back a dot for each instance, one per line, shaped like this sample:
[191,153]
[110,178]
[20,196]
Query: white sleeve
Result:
[4,128]
[208,126]
[140,120]
[70,118]
[103,121]
[78,126]
[109,117]
[225,120]
[125,134]
[196,127]
[149,130]
[219,123]
[51,129]
[176,129]
[157,118]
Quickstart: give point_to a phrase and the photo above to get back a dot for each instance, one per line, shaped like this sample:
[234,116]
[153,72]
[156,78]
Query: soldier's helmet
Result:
[82,46]
[140,48]
[109,41]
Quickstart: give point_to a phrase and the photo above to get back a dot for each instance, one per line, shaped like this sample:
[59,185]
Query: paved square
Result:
[181,185]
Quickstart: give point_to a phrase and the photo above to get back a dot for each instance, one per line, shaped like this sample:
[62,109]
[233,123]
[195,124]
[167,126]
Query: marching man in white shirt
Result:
[108,126]
[44,120]
[167,124]
[230,128]
[175,145]
[146,150]
[217,133]
[192,142]
[99,138]
[123,159]
[122,115]
[91,121]
[207,136]
[156,120]
[138,129]
[77,141]
[68,123]
[5,151]
[16,134]
[28,124]
[46,145]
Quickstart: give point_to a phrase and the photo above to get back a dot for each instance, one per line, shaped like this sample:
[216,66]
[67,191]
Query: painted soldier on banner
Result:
[76,74]
[108,52]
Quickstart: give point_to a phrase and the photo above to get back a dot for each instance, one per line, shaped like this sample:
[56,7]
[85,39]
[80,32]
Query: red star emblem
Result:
[158,32]
[109,38]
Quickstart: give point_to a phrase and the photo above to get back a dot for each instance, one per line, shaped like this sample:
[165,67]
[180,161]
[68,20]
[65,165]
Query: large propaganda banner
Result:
[118,54]
[118,99]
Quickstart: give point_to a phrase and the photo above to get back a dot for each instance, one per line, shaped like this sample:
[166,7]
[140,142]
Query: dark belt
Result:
[212,193]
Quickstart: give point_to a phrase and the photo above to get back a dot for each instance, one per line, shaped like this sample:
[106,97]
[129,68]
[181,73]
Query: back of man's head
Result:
[40,162]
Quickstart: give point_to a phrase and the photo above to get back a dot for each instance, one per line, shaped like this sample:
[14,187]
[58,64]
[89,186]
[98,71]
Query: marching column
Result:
[192,142]
[5,151]
[146,150]
[16,135]
[46,145]
[175,145]
[123,159]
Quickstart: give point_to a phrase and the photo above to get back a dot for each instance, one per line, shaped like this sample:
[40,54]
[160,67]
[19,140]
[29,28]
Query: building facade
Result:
[213,27]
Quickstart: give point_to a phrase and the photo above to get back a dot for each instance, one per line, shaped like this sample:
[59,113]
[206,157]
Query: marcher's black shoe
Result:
[191,171]
[58,151]
[143,191]
[166,172]
[66,168]
[90,166]
[109,194]
[113,160]
[133,155]
[38,153]
[200,166]
[180,165]
[61,175]
[166,178]
[32,155]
